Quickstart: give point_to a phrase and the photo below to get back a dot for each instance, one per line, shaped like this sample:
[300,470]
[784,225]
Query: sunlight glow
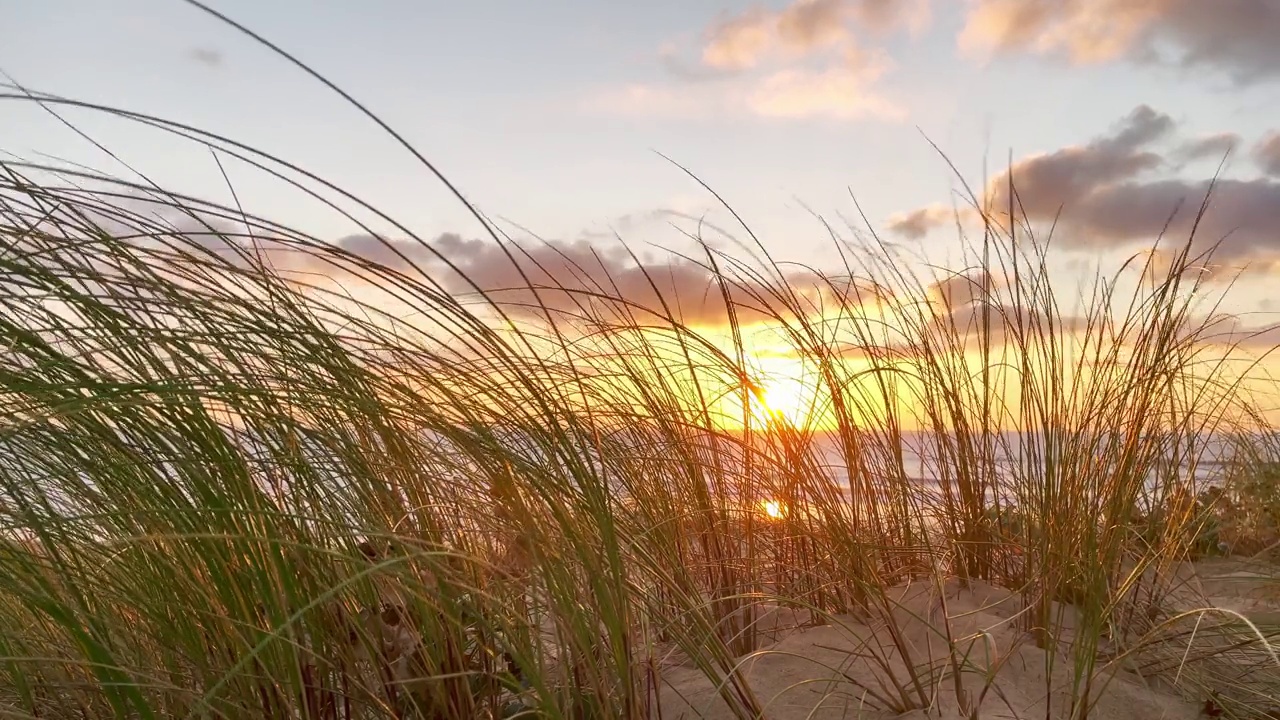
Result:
[773,509]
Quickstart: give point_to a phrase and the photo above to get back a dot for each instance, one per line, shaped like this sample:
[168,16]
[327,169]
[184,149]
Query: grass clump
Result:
[1245,510]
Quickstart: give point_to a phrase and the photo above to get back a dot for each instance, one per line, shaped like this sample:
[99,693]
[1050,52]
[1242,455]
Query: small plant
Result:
[1246,509]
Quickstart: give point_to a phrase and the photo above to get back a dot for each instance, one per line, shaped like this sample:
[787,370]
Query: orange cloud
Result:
[739,42]
[745,40]
[564,277]
[803,60]
[1234,36]
[843,92]
[1085,30]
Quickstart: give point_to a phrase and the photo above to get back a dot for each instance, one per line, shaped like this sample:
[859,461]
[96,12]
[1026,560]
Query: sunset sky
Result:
[550,115]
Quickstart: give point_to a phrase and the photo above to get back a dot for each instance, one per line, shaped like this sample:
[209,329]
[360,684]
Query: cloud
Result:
[1231,330]
[963,289]
[1101,195]
[1243,214]
[1046,182]
[845,90]
[1236,37]
[207,56]
[885,15]
[977,302]
[628,223]
[963,309]
[917,223]
[807,25]
[570,277]
[566,276]
[738,42]
[1003,323]
[841,92]
[743,41]
[1260,337]
[803,60]
[1208,147]
[1267,154]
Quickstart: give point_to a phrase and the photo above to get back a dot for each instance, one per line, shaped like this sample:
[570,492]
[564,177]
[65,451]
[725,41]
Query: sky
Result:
[569,119]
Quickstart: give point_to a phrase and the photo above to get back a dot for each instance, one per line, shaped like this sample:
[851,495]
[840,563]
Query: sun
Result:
[781,399]
[773,509]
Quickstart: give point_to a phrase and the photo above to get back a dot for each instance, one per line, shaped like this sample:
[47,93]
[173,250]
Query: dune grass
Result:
[231,489]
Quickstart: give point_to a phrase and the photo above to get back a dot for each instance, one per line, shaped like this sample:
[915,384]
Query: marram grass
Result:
[230,490]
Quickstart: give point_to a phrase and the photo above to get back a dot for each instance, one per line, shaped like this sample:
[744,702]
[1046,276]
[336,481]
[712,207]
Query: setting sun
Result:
[773,509]
[784,399]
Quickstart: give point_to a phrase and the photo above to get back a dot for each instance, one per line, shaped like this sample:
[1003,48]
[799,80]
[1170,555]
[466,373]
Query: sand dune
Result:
[992,668]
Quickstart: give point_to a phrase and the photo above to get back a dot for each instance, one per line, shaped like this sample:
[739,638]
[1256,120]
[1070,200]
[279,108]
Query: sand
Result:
[837,669]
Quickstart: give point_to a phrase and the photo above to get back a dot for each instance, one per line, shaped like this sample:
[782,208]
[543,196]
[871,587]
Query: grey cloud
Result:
[565,276]
[1243,214]
[1235,37]
[1142,126]
[1267,154]
[963,289]
[1233,331]
[1003,323]
[1208,147]
[1099,197]
[1044,183]
[562,276]
[976,301]
[917,223]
